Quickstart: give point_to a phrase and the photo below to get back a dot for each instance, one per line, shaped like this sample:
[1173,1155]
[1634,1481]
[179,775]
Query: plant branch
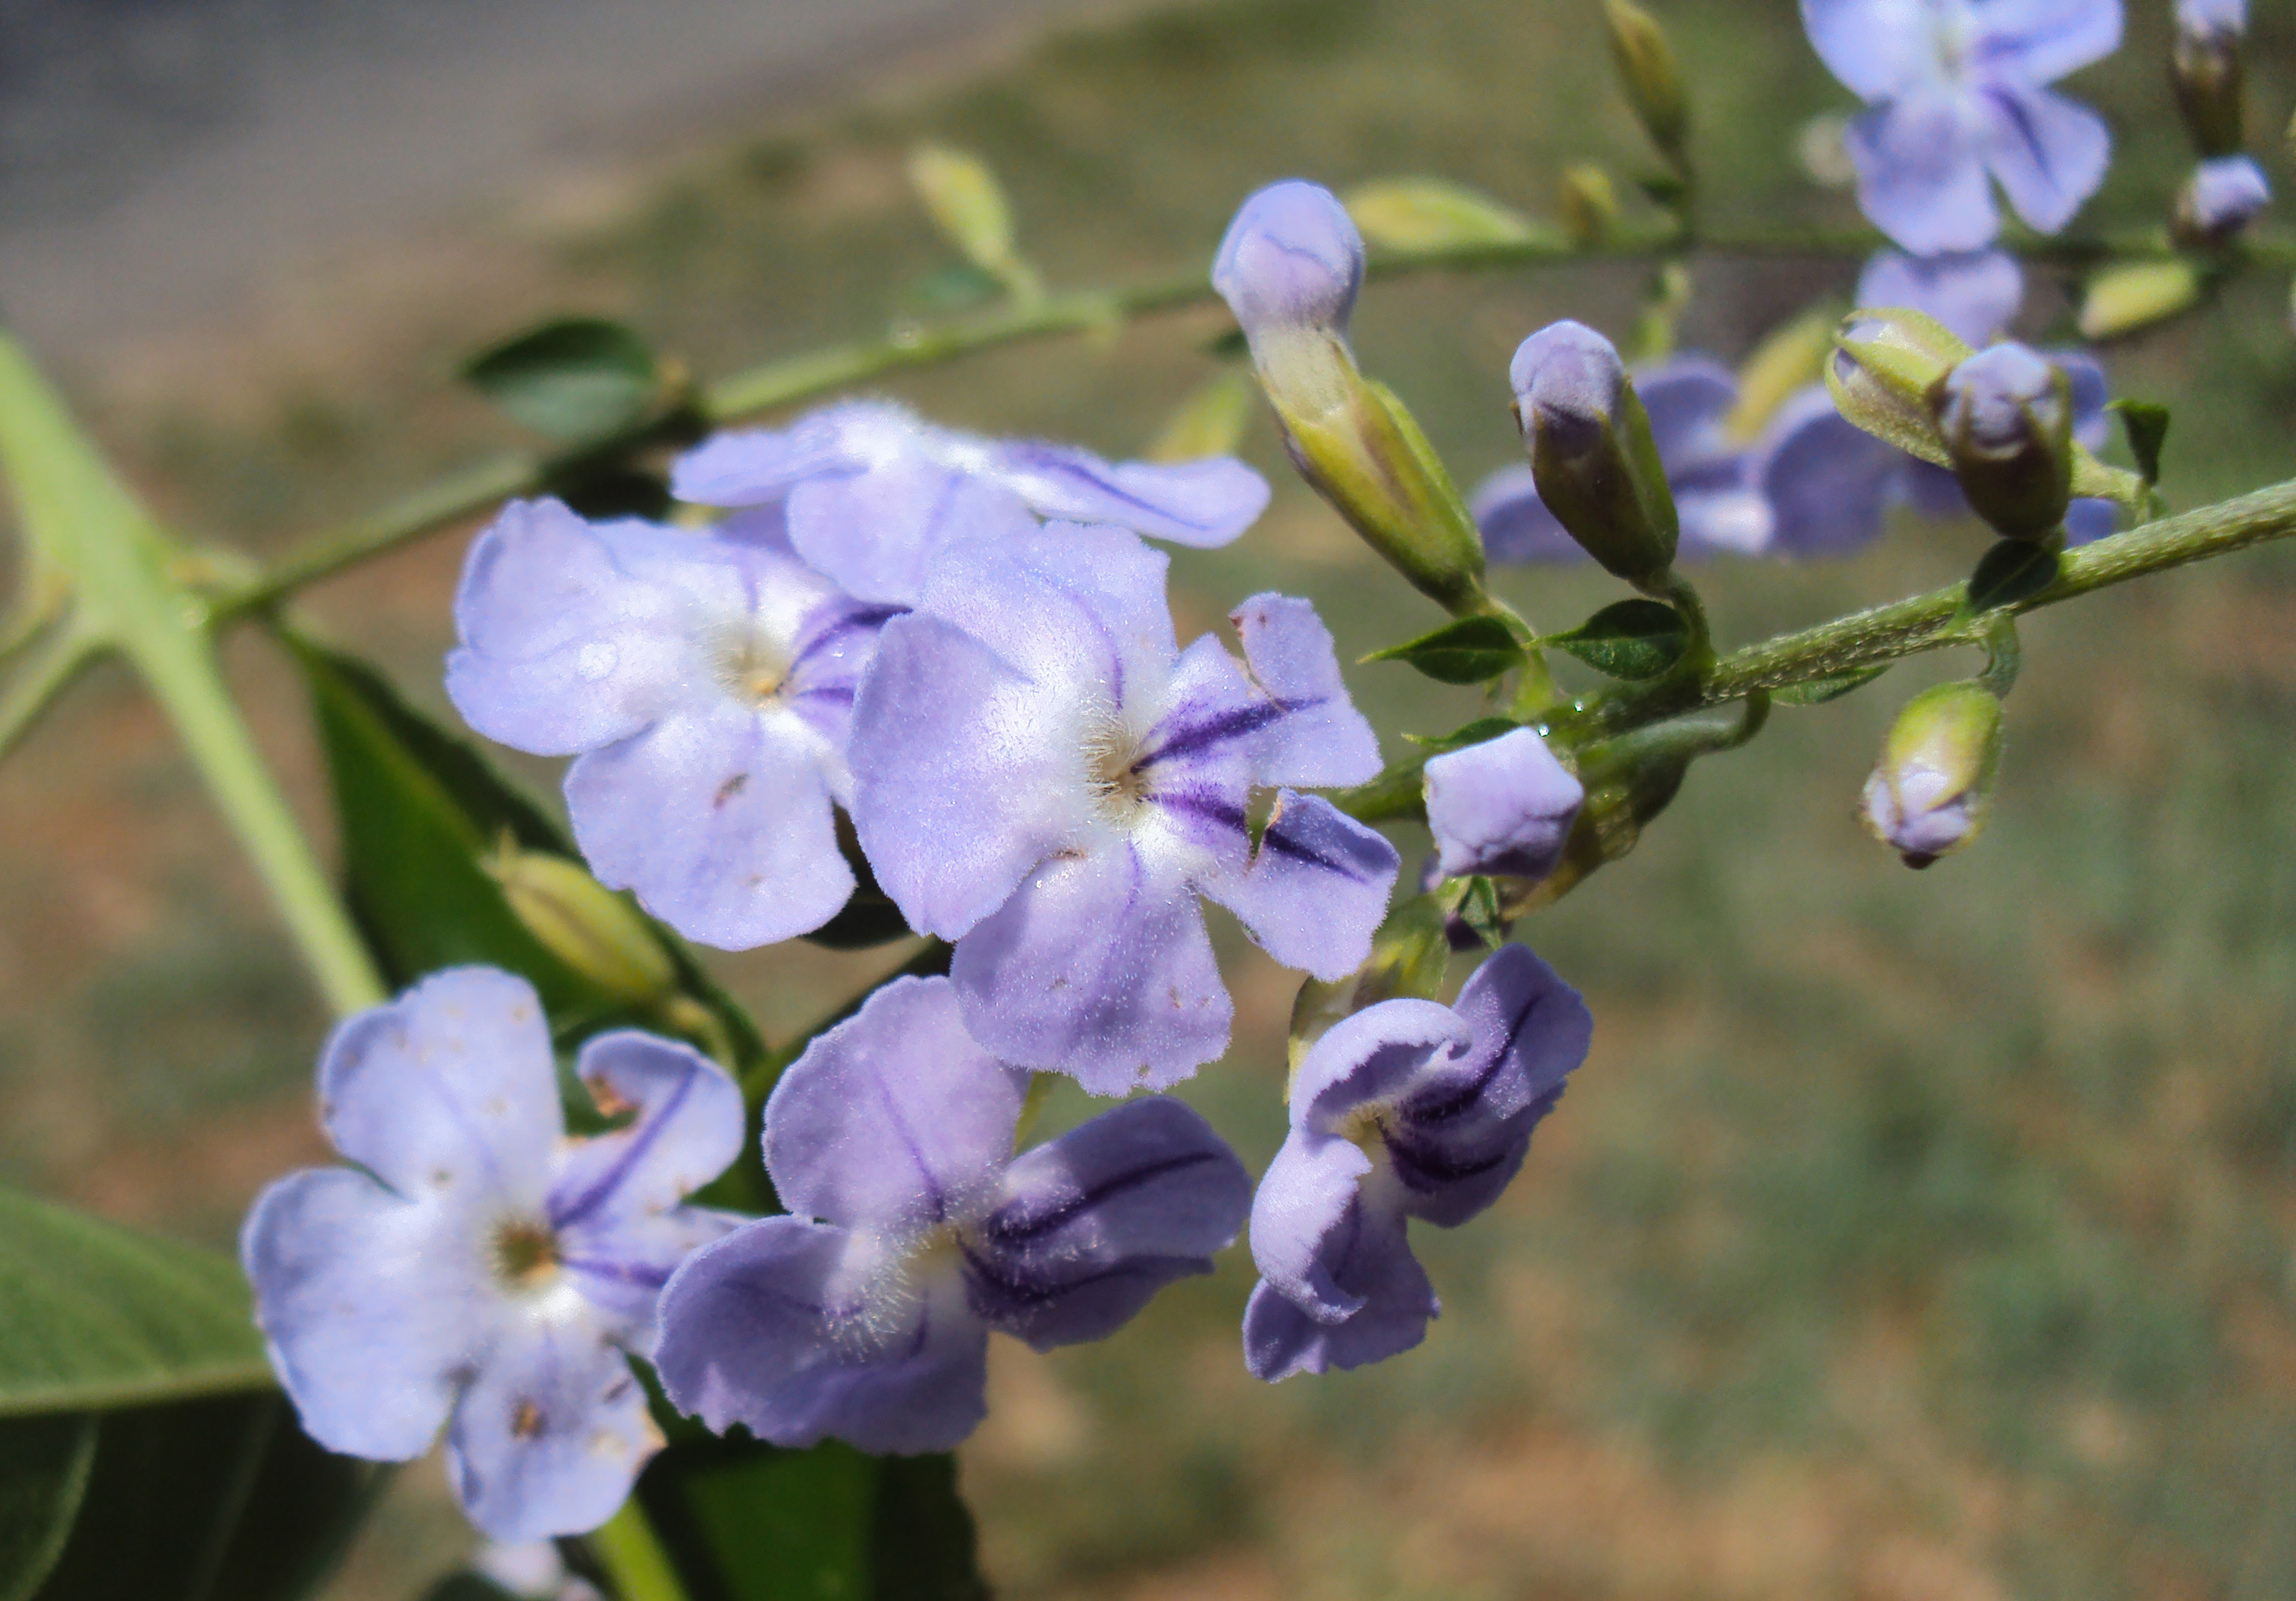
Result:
[39,680]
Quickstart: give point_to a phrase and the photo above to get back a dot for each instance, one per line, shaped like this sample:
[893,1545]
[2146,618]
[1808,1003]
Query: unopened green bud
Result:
[1592,455]
[1589,204]
[1884,365]
[2007,419]
[2206,71]
[594,930]
[2122,300]
[1934,787]
[1650,78]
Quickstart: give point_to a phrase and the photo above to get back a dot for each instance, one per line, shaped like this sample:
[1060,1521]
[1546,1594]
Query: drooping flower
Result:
[1830,487]
[705,680]
[865,1314]
[1407,1109]
[875,492]
[1505,806]
[1957,100]
[1045,777]
[1688,398]
[477,1268]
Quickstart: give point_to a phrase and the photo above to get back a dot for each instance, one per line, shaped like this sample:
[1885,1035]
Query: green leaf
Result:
[576,378]
[1470,651]
[2146,424]
[1632,639]
[1430,214]
[1475,902]
[43,1469]
[1816,692]
[1476,732]
[2014,569]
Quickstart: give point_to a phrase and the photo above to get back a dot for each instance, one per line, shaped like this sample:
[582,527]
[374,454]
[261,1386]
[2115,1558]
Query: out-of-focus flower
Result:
[705,680]
[1407,1109]
[914,1230]
[1045,777]
[1687,398]
[1957,98]
[1505,806]
[875,492]
[2206,72]
[1830,486]
[480,1270]
[1931,793]
[2222,197]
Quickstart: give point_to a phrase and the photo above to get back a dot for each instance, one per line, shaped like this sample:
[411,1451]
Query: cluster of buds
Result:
[2226,189]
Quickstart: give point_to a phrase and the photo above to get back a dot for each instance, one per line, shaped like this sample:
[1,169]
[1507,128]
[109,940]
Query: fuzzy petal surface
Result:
[1203,504]
[1371,1261]
[1920,173]
[1317,887]
[1321,739]
[550,1436]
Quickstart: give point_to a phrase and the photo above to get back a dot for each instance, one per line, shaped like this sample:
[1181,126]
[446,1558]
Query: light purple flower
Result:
[1293,259]
[875,493]
[2227,16]
[1830,486]
[1045,777]
[706,679]
[477,1268]
[1505,806]
[915,1231]
[2221,198]
[1688,398]
[1957,92]
[1406,1110]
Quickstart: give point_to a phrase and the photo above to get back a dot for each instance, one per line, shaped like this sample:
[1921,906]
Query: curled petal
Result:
[688,1129]
[1099,967]
[550,1436]
[762,1329]
[2049,154]
[373,1309]
[893,1121]
[1322,738]
[1093,1224]
[449,1090]
[1316,889]
[1307,1195]
[720,820]
[1371,1261]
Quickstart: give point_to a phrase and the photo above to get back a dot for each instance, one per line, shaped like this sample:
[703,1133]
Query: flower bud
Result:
[1503,807]
[1650,77]
[2136,294]
[1588,204]
[585,925]
[2007,418]
[1884,364]
[1592,456]
[2205,67]
[2219,199]
[1289,268]
[1930,793]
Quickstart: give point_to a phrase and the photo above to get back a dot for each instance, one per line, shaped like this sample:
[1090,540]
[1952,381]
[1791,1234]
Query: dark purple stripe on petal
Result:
[1208,804]
[1299,850]
[1436,1108]
[853,619]
[641,1140]
[1196,737]
[643,1275]
[2013,110]
[1005,1228]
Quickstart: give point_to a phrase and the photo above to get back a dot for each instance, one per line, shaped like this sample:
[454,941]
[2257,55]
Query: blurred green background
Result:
[1907,1238]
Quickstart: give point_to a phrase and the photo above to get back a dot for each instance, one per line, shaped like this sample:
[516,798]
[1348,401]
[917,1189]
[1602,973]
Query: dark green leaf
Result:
[1632,639]
[1229,346]
[1475,902]
[99,1316]
[1476,732]
[467,1587]
[207,1499]
[1818,691]
[43,1469]
[572,379]
[2014,569]
[606,490]
[1470,651]
[2146,424]
[1664,188]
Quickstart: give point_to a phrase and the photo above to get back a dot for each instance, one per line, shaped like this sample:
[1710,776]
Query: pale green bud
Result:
[1652,81]
[594,930]
[1934,787]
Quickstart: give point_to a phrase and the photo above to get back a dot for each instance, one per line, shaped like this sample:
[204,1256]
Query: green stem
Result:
[38,681]
[632,1555]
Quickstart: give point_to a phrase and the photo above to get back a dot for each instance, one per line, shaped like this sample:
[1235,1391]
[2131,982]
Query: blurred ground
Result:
[1907,1237]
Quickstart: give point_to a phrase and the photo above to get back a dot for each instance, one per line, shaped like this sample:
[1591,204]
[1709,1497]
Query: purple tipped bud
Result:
[2220,199]
[2206,69]
[1930,793]
[1592,456]
[1504,807]
[1292,259]
[2007,418]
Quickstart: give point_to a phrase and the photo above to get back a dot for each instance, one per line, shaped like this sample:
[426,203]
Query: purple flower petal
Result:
[719,820]
[1307,1195]
[1321,739]
[1099,967]
[1516,525]
[1070,607]
[877,534]
[1877,47]
[372,1309]
[1505,806]
[1973,293]
[1292,259]
[1093,1223]
[768,1328]
[1921,174]
[2048,153]
[448,1091]
[1316,889]
[2088,521]
[753,466]
[1828,482]
[1202,504]
[551,1434]
[2040,41]
[1371,1263]
[893,1121]
[1686,398]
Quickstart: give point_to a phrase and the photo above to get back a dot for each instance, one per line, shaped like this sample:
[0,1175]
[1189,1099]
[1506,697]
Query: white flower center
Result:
[1114,773]
[751,668]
